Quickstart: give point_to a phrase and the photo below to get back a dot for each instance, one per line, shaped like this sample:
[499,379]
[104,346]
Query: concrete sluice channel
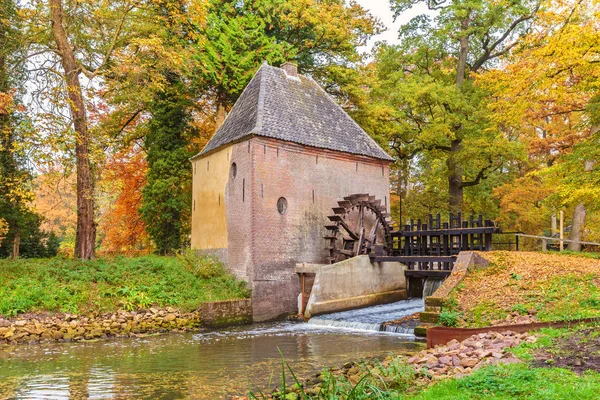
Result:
[212,364]
[372,318]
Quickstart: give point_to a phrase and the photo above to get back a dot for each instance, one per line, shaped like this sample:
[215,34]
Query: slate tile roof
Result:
[296,110]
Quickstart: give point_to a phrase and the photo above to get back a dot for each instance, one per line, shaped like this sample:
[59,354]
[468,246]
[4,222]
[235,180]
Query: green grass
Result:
[398,380]
[108,284]
[516,381]
[585,254]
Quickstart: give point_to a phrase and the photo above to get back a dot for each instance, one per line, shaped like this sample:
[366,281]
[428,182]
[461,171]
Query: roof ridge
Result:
[302,112]
[261,100]
[348,116]
[216,134]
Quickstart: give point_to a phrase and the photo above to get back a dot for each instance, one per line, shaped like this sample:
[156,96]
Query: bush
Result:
[202,266]
[449,318]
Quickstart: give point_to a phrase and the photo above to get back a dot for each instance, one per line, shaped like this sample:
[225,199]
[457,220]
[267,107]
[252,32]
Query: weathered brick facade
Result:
[288,139]
[264,245]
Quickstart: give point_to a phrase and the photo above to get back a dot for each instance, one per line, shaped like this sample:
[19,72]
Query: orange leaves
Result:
[527,280]
[123,179]
[5,103]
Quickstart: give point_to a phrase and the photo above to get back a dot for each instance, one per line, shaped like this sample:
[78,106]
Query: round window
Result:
[282,205]
[233,170]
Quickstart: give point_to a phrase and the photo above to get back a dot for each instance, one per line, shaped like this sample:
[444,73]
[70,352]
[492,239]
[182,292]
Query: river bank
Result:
[552,364]
[43,300]
[524,287]
[106,285]
[63,327]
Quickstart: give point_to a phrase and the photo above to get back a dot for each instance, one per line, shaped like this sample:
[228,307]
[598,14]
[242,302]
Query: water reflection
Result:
[210,365]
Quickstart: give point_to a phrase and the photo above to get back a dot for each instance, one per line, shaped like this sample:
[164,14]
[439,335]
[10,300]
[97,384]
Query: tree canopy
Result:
[486,107]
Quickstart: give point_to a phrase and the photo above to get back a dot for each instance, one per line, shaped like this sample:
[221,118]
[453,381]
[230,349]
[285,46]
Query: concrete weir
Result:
[349,284]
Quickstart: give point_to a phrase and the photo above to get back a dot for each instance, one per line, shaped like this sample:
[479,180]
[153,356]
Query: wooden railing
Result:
[433,246]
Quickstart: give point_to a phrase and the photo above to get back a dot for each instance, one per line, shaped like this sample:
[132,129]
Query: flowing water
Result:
[207,365]
[431,285]
[371,318]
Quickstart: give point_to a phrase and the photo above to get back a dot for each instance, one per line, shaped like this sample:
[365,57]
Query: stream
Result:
[207,365]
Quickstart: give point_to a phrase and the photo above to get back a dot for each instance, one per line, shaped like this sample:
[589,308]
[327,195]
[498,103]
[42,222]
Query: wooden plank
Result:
[454,231]
[427,273]
[406,259]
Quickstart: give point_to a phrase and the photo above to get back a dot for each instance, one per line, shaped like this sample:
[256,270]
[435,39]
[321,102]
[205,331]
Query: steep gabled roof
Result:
[294,109]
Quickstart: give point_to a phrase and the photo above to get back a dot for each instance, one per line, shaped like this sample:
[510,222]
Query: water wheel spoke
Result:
[350,232]
[359,225]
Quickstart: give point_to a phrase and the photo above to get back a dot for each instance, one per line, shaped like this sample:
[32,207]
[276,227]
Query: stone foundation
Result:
[36,328]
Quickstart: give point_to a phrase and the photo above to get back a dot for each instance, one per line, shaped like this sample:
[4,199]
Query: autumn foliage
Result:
[121,226]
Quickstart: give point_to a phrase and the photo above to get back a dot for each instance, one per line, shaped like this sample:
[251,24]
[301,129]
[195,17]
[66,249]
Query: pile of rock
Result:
[456,358]
[70,327]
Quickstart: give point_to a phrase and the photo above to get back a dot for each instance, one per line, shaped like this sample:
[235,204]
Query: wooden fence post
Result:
[562,245]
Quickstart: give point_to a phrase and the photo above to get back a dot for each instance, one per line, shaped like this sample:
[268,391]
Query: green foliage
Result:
[570,297]
[103,285]
[449,318]
[205,266]
[520,308]
[424,98]
[321,37]
[166,202]
[376,382]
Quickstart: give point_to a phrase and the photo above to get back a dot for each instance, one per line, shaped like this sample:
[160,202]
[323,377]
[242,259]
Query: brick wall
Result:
[312,181]
[238,203]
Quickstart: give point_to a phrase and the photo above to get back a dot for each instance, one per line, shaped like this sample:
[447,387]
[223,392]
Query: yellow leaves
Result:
[3,229]
[6,103]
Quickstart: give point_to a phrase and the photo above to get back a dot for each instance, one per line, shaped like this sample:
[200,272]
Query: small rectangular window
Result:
[317,159]
[265,149]
[262,190]
[248,146]
[208,165]
[194,204]
[219,198]
[194,168]
[243,190]
[382,171]
[313,195]
[357,166]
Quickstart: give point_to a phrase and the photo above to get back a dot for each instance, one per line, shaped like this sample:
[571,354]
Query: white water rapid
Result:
[371,318]
[431,285]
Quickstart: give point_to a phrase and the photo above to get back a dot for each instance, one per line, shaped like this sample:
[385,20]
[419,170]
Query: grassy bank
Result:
[562,364]
[108,284]
[546,286]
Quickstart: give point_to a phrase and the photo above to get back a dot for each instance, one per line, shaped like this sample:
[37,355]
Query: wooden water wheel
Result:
[359,225]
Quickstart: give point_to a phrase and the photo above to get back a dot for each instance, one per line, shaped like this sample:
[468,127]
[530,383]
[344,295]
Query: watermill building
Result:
[266,182]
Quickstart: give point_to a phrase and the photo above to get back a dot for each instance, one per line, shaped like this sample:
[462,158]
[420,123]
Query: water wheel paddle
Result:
[359,225]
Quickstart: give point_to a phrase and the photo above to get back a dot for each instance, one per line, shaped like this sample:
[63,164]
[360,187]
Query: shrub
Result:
[449,318]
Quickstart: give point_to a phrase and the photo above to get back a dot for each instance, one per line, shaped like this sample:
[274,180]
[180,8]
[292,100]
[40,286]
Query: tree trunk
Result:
[463,52]
[221,113]
[16,245]
[580,212]
[577,226]
[461,67]
[85,237]
[455,169]
[455,178]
